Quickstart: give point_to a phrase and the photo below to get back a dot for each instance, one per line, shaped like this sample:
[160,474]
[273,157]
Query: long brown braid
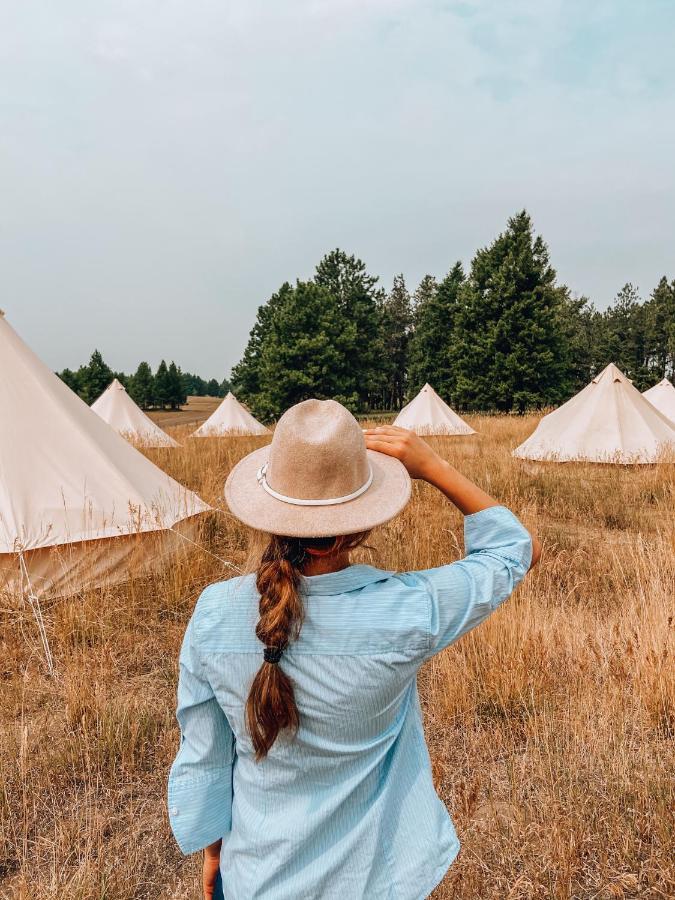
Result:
[271,706]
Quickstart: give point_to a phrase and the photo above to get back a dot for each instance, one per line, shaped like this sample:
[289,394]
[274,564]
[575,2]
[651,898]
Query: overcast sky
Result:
[166,164]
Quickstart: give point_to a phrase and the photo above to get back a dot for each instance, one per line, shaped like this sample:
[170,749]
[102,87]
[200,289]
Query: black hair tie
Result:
[273,654]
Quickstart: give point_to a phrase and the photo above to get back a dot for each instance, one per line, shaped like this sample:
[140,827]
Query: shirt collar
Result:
[350,579]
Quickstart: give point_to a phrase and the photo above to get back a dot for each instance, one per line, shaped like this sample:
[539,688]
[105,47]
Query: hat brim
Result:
[249,502]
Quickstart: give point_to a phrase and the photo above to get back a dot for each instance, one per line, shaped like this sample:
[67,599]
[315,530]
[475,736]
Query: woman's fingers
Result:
[386,439]
[390,448]
[385,429]
[392,438]
[415,454]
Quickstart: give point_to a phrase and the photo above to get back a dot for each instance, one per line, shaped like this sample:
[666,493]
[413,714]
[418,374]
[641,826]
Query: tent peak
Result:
[230,417]
[118,409]
[611,371]
[662,396]
[427,413]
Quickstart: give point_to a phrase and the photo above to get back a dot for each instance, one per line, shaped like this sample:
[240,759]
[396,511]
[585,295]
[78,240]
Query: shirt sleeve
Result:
[200,781]
[464,593]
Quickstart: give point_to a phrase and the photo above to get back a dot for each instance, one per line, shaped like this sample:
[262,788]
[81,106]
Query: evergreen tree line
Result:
[167,387]
[505,336]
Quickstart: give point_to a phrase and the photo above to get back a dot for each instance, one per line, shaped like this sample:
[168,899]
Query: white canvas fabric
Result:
[230,418]
[609,421]
[428,414]
[65,475]
[662,396]
[117,408]
[65,569]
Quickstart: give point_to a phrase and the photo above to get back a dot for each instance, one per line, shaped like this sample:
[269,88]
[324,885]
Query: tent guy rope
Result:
[37,613]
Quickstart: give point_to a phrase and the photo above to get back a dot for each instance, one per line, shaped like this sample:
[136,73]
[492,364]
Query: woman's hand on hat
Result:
[416,455]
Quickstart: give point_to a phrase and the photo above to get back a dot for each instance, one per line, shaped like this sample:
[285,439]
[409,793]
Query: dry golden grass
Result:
[550,727]
[194,412]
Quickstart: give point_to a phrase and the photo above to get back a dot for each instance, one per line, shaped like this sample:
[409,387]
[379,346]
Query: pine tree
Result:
[162,386]
[432,343]
[94,378]
[246,374]
[193,385]
[625,339]
[142,386]
[660,331]
[306,353]
[70,378]
[224,388]
[358,303]
[395,322]
[212,388]
[419,359]
[582,328]
[510,351]
[351,319]
[81,377]
[177,395]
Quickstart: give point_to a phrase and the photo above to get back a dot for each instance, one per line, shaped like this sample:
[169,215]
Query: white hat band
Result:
[297,501]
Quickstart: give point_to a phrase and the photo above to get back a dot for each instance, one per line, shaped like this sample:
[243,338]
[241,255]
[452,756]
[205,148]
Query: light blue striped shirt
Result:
[347,809]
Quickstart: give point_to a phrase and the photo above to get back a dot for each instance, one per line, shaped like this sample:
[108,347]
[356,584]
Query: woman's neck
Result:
[323,565]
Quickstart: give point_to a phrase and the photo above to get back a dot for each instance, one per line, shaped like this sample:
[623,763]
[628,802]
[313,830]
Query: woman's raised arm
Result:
[424,463]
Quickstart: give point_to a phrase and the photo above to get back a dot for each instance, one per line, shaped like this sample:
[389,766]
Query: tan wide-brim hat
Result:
[316,478]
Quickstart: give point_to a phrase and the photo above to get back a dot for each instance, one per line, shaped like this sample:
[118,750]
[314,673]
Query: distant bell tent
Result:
[428,414]
[662,396]
[78,504]
[609,421]
[117,408]
[230,418]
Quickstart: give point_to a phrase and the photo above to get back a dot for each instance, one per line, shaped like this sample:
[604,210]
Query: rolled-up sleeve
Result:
[464,593]
[200,781]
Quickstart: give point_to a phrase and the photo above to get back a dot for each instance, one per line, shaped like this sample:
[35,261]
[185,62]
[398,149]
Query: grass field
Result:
[551,727]
[194,412]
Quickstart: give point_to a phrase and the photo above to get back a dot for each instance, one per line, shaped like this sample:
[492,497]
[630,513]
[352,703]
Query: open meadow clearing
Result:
[194,412]
[551,728]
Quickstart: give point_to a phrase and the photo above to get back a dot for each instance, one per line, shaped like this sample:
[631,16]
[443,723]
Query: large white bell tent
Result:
[428,414]
[609,421]
[662,396]
[78,504]
[230,418]
[117,408]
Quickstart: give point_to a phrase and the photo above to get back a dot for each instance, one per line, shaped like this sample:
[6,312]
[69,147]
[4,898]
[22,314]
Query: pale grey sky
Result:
[165,165]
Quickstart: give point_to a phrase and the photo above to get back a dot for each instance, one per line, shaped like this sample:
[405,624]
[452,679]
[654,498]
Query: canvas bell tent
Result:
[662,396]
[117,408]
[428,414]
[78,503]
[609,421]
[230,418]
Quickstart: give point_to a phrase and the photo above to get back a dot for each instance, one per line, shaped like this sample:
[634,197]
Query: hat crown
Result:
[318,452]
